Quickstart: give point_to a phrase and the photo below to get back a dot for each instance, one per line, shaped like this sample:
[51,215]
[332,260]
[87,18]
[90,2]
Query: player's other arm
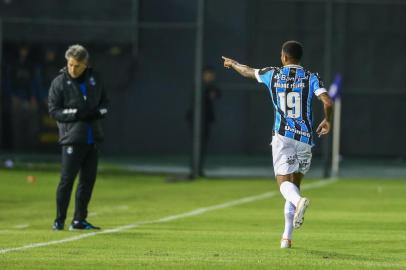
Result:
[325,125]
[244,70]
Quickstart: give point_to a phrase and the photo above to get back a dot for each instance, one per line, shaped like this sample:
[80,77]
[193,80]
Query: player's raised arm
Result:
[244,70]
[325,125]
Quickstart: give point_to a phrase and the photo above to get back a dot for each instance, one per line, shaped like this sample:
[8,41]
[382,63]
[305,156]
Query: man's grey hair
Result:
[77,52]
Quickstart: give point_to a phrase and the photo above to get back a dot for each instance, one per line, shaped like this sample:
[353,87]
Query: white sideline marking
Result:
[192,213]
[22,226]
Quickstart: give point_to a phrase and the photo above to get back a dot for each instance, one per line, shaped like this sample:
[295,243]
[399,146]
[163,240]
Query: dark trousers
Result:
[76,158]
[204,140]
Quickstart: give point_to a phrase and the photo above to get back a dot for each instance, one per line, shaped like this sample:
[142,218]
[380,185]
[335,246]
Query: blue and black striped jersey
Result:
[292,89]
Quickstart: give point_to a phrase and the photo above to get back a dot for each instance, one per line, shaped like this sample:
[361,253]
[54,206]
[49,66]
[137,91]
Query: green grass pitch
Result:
[351,224]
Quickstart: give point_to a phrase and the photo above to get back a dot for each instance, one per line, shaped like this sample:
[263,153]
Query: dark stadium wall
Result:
[148,112]
[151,117]
[372,111]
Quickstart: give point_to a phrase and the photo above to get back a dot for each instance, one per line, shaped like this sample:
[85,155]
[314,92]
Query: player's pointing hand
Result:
[228,62]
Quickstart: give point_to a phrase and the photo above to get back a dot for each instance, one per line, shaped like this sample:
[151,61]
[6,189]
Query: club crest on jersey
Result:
[69,150]
[68,82]
[92,81]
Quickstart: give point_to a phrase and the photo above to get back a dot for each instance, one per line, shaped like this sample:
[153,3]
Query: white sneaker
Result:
[286,243]
[300,211]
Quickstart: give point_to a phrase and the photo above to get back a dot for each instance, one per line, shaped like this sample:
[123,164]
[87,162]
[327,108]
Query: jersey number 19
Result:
[290,104]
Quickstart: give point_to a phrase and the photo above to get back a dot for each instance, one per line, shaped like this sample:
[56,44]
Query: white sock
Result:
[289,213]
[290,192]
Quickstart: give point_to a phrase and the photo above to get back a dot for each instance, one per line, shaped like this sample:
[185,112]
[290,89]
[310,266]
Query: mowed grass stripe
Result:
[192,213]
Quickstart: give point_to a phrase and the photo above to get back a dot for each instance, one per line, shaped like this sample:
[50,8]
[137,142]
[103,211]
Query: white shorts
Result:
[290,156]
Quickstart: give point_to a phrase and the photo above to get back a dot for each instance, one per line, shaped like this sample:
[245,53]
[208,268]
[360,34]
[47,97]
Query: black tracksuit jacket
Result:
[65,99]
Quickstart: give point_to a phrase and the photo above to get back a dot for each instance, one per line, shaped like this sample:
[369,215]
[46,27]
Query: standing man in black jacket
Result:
[77,101]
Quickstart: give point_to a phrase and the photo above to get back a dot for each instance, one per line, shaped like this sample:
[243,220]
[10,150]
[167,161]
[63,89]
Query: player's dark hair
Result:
[293,49]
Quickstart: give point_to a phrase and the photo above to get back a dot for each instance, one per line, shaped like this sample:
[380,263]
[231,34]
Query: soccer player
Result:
[77,101]
[291,88]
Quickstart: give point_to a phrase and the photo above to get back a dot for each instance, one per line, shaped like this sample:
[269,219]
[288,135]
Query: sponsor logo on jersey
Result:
[300,132]
[289,79]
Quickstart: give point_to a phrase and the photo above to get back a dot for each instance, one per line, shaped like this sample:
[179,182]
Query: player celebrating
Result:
[292,89]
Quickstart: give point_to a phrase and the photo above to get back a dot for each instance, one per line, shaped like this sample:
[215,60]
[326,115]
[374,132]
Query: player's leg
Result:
[289,188]
[304,156]
[71,159]
[289,212]
[289,174]
[284,161]
[84,190]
